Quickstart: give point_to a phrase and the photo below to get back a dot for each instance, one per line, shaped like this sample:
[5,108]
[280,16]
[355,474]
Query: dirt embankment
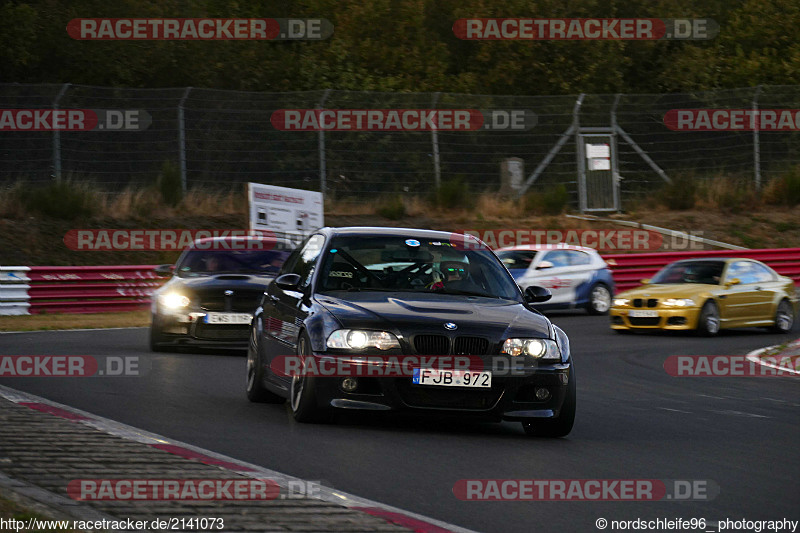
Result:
[40,241]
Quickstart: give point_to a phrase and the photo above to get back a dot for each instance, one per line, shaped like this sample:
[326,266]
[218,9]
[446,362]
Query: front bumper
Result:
[669,319]
[190,329]
[511,397]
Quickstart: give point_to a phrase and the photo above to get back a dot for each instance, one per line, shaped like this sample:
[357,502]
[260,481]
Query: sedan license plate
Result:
[635,313]
[451,378]
[228,318]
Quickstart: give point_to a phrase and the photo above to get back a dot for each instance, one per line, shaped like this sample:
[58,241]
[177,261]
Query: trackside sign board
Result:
[293,213]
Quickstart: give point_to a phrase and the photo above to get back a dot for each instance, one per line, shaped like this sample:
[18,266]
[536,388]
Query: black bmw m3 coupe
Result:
[216,285]
[390,319]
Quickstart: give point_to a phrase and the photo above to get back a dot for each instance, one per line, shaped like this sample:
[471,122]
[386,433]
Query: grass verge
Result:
[82,321]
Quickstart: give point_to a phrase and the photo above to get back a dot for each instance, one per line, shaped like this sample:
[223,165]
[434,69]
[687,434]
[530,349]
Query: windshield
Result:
[420,265]
[212,262]
[706,272]
[516,259]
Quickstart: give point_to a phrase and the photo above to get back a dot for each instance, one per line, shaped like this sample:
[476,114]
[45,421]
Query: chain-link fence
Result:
[218,138]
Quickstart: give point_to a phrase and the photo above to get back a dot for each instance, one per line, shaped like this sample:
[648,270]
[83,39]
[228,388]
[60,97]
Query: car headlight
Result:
[356,339]
[678,302]
[536,348]
[621,302]
[173,300]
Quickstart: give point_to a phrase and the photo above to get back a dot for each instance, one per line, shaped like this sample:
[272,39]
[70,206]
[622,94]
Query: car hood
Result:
[249,282]
[669,290]
[411,313]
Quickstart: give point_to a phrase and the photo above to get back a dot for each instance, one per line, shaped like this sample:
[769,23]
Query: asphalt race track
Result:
[634,421]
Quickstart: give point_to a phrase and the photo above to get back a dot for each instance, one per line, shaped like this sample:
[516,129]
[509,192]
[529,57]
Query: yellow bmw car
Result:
[707,295]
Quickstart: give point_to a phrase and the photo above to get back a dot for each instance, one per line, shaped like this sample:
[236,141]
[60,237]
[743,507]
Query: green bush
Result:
[64,199]
[393,208]
[552,201]
[453,194]
[169,184]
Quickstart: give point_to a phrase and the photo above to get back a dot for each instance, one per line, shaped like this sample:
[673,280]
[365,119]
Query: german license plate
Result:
[642,313]
[228,318]
[451,378]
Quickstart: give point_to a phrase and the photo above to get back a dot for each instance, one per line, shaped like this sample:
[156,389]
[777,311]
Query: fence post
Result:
[57,136]
[182,139]
[437,169]
[576,125]
[756,146]
[321,137]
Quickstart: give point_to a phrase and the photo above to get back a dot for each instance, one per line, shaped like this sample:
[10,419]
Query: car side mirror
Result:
[288,282]
[535,294]
[645,281]
[164,270]
[544,265]
[731,282]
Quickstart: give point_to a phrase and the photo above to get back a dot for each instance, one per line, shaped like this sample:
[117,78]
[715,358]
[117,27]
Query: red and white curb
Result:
[754,356]
[413,521]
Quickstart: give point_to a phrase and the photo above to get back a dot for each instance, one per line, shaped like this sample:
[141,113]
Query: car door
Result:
[766,288]
[740,301]
[285,310]
[564,276]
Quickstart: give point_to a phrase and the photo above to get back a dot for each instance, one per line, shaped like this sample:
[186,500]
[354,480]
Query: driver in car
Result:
[454,272]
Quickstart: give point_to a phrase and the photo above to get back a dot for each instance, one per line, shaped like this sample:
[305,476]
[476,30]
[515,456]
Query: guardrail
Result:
[14,290]
[101,289]
[91,289]
[631,268]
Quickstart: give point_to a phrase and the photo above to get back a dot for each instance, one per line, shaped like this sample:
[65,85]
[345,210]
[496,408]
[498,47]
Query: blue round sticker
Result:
[412,242]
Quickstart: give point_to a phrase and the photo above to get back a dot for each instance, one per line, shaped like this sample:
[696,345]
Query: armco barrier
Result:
[14,290]
[92,289]
[101,289]
[631,268]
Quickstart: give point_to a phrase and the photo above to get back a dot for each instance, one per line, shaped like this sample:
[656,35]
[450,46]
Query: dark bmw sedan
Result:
[390,319]
[216,286]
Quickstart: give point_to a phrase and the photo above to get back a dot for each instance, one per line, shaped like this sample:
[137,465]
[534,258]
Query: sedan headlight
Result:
[621,302]
[356,339]
[678,302]
[173,300]
[536,348]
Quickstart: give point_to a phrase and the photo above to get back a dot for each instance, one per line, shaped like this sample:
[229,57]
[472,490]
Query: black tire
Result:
[156,338]
[708,324]
[256,392]
[302,391]
[562,425]
[784,318]
[599,299]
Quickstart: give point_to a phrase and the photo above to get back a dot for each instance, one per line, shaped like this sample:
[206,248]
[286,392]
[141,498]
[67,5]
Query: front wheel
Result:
[599,300]
[784,318]
[708,324]
[561,426]
[157,338]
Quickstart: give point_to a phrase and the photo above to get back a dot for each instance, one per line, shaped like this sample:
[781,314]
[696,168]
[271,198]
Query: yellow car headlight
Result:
[678,302]
[621,302]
